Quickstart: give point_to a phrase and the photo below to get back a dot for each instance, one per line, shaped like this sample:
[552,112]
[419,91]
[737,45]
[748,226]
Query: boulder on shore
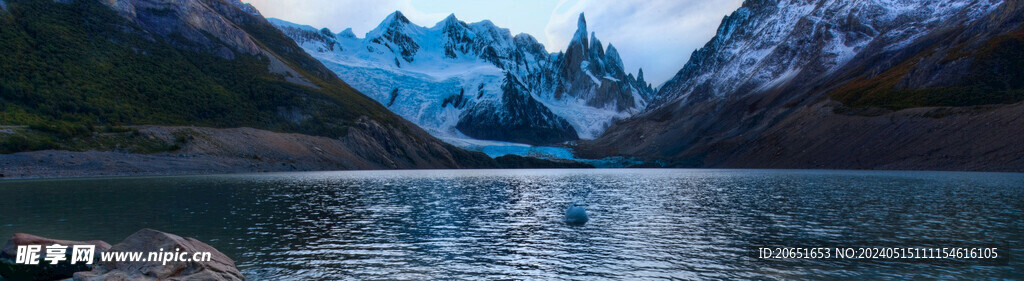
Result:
[44,270]
[219,268]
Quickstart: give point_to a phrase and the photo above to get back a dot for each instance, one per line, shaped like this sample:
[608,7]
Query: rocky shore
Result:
[235,150]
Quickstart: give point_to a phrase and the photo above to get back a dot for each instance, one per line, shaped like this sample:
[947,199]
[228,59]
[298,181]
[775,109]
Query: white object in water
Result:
[576,215]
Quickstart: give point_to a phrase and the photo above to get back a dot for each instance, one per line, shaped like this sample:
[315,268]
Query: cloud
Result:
[658,35]
[360,15]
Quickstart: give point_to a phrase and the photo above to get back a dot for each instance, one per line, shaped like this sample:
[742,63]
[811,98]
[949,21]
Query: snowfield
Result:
[437,76]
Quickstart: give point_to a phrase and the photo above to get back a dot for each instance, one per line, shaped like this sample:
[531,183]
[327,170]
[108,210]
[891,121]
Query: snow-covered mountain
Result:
[853,84]
[765,44]
[476,80]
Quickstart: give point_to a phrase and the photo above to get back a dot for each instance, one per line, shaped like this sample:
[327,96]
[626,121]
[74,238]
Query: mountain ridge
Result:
[431,66]
[840,84]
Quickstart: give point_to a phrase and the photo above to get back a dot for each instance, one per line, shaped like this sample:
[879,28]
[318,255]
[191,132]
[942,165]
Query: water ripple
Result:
[645,224]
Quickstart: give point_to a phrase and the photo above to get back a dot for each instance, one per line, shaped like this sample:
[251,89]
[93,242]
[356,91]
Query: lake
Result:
[508,224]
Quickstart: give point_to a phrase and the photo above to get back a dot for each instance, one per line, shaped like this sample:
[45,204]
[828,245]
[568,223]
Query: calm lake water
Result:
[508,224]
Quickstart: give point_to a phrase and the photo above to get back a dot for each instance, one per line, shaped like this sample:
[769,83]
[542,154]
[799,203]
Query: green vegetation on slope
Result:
[80,66]
[996,77]
[17,139]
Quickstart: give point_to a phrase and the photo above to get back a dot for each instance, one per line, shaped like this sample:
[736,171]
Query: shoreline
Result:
[55,173]
[232,151]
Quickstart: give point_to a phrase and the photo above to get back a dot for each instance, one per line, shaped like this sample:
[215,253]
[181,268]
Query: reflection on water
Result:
[485,224]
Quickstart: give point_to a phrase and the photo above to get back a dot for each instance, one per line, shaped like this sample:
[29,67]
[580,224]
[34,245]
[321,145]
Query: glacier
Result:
[470,82]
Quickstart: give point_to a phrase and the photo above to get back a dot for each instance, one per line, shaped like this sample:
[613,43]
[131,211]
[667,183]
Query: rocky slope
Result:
[477,80]
[72,66]
[880,84]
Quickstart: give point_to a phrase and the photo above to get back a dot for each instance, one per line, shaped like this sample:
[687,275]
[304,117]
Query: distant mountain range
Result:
[883,84]
[476,80]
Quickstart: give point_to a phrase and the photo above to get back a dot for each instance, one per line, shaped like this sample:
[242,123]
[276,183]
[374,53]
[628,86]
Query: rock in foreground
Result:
[43,271]
[219,267]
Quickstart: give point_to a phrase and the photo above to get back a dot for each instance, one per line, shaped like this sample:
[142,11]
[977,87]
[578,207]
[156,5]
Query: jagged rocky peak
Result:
[394,23]
[394,34]
[579,46]
[347,33]
[396,18]
[450,21]
[580,37]
[614,63]
[641,81]
[590,74]
[452,26]
[612,55]
[457,37]
[596,49]
[529,44]
[491,34]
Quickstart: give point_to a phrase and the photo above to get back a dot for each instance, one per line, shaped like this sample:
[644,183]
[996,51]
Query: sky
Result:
[657,35]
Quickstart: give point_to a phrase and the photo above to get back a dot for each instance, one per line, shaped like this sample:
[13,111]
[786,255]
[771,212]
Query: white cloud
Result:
[658,35]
